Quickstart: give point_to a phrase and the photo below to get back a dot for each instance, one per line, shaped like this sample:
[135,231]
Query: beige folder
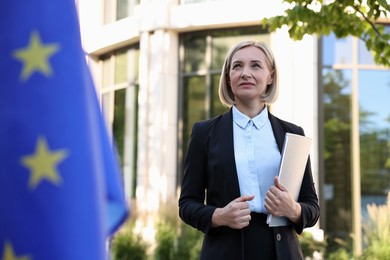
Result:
[295,153]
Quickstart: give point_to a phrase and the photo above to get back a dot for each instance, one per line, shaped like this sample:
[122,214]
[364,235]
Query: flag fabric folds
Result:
[61,194]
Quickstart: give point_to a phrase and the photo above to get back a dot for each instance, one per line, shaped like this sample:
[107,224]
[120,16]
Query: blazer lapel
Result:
[227,151]
[278,129]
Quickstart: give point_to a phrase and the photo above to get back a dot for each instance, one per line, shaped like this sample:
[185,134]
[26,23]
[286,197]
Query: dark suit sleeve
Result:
[307,199]
[192,209]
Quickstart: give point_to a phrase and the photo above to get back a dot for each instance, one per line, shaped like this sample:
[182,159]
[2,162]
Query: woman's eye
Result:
[235,66]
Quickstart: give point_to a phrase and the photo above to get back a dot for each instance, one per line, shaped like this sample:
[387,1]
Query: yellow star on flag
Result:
[35,56]
[43,162]
[8,253]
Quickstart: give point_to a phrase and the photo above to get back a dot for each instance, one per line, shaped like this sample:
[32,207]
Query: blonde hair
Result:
[225,92]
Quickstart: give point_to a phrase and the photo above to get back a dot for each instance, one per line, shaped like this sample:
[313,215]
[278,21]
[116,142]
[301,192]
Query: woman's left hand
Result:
[279,202]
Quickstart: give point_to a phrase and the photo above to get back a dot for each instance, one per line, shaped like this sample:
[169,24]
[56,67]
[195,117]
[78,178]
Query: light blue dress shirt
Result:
[257,156]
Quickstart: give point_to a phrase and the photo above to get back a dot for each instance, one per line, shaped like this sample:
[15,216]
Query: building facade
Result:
[156,65]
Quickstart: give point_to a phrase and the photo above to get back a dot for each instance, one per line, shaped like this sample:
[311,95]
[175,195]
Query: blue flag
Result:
[61,194]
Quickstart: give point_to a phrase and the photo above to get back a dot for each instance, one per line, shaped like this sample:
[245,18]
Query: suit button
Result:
[278,237]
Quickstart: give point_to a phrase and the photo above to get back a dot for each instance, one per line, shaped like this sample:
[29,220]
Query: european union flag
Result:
[60,187]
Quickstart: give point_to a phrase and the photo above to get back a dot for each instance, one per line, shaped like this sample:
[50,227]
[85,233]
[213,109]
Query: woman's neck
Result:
[251,110]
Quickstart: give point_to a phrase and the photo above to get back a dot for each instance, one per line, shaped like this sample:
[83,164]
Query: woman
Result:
[230,180]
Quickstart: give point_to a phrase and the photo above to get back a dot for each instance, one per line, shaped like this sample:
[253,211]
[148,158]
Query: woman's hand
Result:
[279,202]
[234,215]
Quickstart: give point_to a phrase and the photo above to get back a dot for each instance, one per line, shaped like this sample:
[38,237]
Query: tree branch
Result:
[367,20]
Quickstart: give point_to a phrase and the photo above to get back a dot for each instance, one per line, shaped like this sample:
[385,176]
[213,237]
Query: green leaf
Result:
[343,18]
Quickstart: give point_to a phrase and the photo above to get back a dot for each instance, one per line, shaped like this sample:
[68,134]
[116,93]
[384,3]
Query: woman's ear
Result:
[271,78]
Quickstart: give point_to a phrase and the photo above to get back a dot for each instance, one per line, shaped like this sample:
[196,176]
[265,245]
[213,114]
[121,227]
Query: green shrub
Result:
[176,240]
[377,232]
[338,248]
[339,254]
[165,240]
[125,245]
[189,243]
[310,245]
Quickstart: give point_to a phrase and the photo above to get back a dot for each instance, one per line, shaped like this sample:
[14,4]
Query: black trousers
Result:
[258,239]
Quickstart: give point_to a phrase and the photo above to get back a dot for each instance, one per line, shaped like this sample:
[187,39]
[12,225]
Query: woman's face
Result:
[249,74]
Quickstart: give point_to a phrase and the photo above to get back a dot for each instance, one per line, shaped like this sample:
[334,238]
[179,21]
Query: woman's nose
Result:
[245,74]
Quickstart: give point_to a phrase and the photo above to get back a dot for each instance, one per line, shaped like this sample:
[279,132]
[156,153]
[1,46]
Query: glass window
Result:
[372,88]
[194,55]
[115,10]
[121,63]
[337,51]
[195,105]
[106,104]
[217,108]
[118,125]
[106,72]
[122,9]
[364,55]
[337,153]
[116,67]
[374,93]
[119,93]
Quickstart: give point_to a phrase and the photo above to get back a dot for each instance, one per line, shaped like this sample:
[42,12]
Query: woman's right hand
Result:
[235,215]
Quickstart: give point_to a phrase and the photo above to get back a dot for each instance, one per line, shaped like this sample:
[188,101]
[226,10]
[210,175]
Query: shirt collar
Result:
[242,120]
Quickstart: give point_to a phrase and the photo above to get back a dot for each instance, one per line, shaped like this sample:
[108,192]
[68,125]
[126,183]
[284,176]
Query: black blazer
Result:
[210,166]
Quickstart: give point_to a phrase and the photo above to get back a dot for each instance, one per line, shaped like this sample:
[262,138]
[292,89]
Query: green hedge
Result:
[176,240]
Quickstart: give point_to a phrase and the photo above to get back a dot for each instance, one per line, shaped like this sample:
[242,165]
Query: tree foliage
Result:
[359,18]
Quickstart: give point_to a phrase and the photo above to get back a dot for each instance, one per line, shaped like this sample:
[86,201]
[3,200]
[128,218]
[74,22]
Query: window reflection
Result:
[337,153]
[106,68]
[364,56]
[115,10]
[106,103]
[194,55]
[374,93]
[194,105]
[121,64]
[337,51]
[119,95]
[122,9]
[372,87]
[119,121]
[217,108]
